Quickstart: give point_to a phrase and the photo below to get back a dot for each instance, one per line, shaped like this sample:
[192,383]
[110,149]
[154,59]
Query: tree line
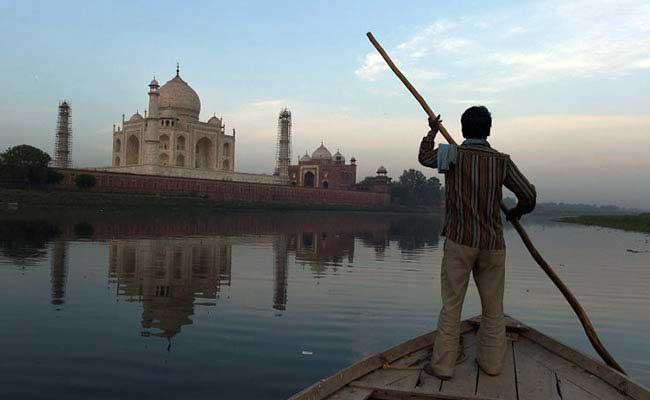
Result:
[26,166]
[413,189]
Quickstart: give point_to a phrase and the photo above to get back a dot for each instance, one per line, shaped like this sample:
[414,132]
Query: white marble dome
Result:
[321,153]
[136,117]
[178,96]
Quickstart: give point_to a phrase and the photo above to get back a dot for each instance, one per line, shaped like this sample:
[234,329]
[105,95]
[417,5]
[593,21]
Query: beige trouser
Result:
[488,267]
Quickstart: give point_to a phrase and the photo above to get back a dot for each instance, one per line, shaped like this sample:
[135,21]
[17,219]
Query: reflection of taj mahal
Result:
[168,275]
[173,267]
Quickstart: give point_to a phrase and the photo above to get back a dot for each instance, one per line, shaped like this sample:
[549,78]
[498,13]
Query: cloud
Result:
[276,103]
[473,102]
[514,31]
[372,66]
[560,40]
[427,74]
[643,64]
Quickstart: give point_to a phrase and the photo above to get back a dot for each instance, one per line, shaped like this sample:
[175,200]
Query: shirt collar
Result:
[476,142]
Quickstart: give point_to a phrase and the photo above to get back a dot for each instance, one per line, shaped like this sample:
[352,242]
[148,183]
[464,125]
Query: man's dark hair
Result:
[476,122]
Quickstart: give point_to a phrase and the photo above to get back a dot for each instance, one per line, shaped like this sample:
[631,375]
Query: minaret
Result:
[63,143]
[151,141]
[284,144]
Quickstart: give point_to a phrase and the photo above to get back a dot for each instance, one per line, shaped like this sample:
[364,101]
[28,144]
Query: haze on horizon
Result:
[567,82]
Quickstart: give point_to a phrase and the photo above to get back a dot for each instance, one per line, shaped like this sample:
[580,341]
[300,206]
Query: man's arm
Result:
[517,183]
[428,156]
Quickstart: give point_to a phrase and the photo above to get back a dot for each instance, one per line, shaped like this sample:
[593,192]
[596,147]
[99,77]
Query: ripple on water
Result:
[199,313]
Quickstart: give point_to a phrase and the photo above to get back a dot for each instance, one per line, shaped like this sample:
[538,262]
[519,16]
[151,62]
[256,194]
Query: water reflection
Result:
[168,276]
[25,242]
[171,265]
[146,297]
[59,271]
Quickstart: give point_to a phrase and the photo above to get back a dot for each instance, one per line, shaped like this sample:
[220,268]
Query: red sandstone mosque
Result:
[322,170]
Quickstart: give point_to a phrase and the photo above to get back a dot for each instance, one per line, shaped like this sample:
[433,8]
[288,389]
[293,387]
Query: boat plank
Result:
[534,380]
[391,394]
[598,369]
[408,382]
[386,377]
[326,387]
[503,386]
[428,383]
[541,368]
[414,359]
[572,392]
[351,393]
[464,380]
[567,371]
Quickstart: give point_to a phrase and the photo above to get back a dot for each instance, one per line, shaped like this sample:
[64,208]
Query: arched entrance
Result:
[164,142]
[203,153]
[132,151]
[164,160]
[308,180]
[180,143]
[180,161]
[325,184]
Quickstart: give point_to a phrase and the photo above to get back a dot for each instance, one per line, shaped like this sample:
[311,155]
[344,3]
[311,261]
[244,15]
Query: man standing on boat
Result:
[474,176]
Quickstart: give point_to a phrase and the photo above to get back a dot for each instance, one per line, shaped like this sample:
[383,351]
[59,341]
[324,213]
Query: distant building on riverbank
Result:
[322,170]
[169,150]
[170,140]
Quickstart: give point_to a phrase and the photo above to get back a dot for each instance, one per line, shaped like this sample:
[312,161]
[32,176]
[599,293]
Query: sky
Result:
[568,83]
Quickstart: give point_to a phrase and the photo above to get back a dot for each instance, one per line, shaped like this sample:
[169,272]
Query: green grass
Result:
[636,223]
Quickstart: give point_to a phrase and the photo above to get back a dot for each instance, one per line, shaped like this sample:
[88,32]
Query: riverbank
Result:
[83,200]
[636,223]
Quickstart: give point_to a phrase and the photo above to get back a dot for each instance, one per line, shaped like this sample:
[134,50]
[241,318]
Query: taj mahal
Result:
[172,128]
[169,140]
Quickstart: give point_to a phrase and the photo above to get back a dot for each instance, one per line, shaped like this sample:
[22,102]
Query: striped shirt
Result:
[473,193]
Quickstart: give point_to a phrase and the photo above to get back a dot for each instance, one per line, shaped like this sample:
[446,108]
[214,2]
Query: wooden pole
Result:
[588,327]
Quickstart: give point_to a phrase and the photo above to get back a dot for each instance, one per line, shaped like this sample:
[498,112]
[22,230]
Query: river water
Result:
[252,305]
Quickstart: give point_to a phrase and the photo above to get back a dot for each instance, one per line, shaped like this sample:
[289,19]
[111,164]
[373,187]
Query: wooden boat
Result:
[537,367]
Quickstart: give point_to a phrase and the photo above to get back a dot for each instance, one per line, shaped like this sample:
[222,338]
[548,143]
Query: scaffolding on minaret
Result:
[283,151]
[63,142]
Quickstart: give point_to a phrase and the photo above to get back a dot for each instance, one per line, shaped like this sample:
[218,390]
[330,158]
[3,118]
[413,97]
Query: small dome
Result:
[154,82]
[381,171]
[338,157]
[176,94]
[214,120]
[136,117]
[353,160]
[321,153]
[305,158]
